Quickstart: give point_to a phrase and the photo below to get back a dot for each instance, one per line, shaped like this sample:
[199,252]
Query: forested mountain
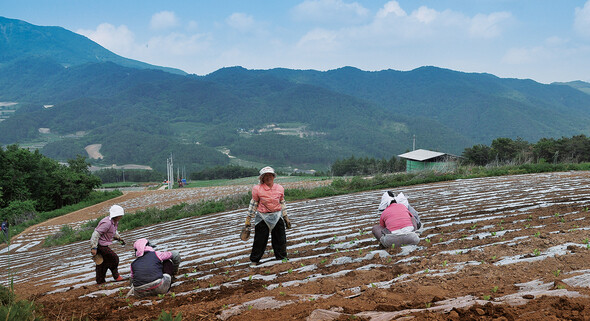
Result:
[480,107]
[580,85]
[281,117]
[20,39]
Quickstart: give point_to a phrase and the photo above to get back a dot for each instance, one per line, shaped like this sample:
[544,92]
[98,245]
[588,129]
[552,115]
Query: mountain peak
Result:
[20,39]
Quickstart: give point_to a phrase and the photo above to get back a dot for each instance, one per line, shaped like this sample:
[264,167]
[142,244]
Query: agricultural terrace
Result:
[512,247]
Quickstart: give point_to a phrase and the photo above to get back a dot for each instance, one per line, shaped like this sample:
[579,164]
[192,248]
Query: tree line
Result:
[367,166]
[547,150]
[224,172]
[32,182]
[111,175]
[501,151]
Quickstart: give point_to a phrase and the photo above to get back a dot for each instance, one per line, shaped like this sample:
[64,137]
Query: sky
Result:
[543,40]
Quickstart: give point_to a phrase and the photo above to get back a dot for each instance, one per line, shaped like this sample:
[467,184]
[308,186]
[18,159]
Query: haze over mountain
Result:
[283,117]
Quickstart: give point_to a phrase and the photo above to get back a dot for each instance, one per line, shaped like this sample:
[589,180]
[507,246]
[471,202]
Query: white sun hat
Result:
[267,170]
[115,211]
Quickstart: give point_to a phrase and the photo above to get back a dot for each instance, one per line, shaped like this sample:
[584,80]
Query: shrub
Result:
[6,296]
[18,212]
[167,316]
[12,309]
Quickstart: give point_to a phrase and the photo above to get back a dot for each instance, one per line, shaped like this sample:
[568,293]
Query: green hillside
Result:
[479,106]
[578,84]
[300,118]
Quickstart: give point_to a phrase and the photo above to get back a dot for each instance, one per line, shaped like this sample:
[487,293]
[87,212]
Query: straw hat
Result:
[97,259]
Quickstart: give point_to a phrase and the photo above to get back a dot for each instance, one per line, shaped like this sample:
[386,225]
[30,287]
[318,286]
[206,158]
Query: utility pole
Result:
[170,167]
[414,143]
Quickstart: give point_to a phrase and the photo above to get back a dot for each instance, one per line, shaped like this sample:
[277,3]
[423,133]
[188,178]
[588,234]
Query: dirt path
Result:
[500,248]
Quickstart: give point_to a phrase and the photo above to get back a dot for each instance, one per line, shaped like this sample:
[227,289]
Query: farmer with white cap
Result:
[269,212]
[103,236]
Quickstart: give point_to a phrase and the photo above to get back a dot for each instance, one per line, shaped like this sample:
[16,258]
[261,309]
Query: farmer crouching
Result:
[152,271]
[397,226]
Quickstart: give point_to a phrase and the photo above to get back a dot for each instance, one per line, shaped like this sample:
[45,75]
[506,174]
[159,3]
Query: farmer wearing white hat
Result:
[103,236]
[269,212]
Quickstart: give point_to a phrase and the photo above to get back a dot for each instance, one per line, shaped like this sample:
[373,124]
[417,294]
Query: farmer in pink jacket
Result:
[397,225]
[152,271]
[268,209]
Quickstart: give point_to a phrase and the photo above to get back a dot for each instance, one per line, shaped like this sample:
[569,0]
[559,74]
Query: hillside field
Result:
[499,248]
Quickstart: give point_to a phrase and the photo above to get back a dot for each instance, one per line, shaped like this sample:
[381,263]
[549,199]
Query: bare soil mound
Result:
[501,248]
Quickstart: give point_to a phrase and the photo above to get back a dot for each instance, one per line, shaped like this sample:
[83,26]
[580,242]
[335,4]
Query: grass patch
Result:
[13,309]
[149,216]
[251,181]
[126,184]
[95,197]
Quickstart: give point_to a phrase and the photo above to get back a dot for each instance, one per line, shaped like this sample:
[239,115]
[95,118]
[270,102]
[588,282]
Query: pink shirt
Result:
[163,256]
[396,216]
[268,198]
[107,228]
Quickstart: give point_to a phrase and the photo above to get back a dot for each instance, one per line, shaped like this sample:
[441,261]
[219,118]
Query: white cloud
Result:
[556,60]
[164,20]
[330,11]
[192,25]
[392,7]
[556,41]
[488,26]
[177,44]
[425,15]
[319,40]
[171,50]
[517,56]
[427,23]
[582,20]
[240,21]
[117,39]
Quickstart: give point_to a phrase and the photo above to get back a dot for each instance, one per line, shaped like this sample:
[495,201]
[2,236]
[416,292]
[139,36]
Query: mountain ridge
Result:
[16,37]
[283,117]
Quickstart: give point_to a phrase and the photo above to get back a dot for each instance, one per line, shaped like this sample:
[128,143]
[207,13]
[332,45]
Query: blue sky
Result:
[544,40]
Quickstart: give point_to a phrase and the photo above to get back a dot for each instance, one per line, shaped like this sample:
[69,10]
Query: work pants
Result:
[110,262]
[387,239]
[278,241]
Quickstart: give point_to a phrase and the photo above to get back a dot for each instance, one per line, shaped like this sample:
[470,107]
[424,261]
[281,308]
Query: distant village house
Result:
[422,159]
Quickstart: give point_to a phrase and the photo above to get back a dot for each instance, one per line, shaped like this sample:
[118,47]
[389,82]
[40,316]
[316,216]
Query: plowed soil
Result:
[500,248]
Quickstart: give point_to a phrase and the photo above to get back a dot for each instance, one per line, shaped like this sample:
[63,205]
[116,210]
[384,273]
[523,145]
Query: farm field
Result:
[500,248]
